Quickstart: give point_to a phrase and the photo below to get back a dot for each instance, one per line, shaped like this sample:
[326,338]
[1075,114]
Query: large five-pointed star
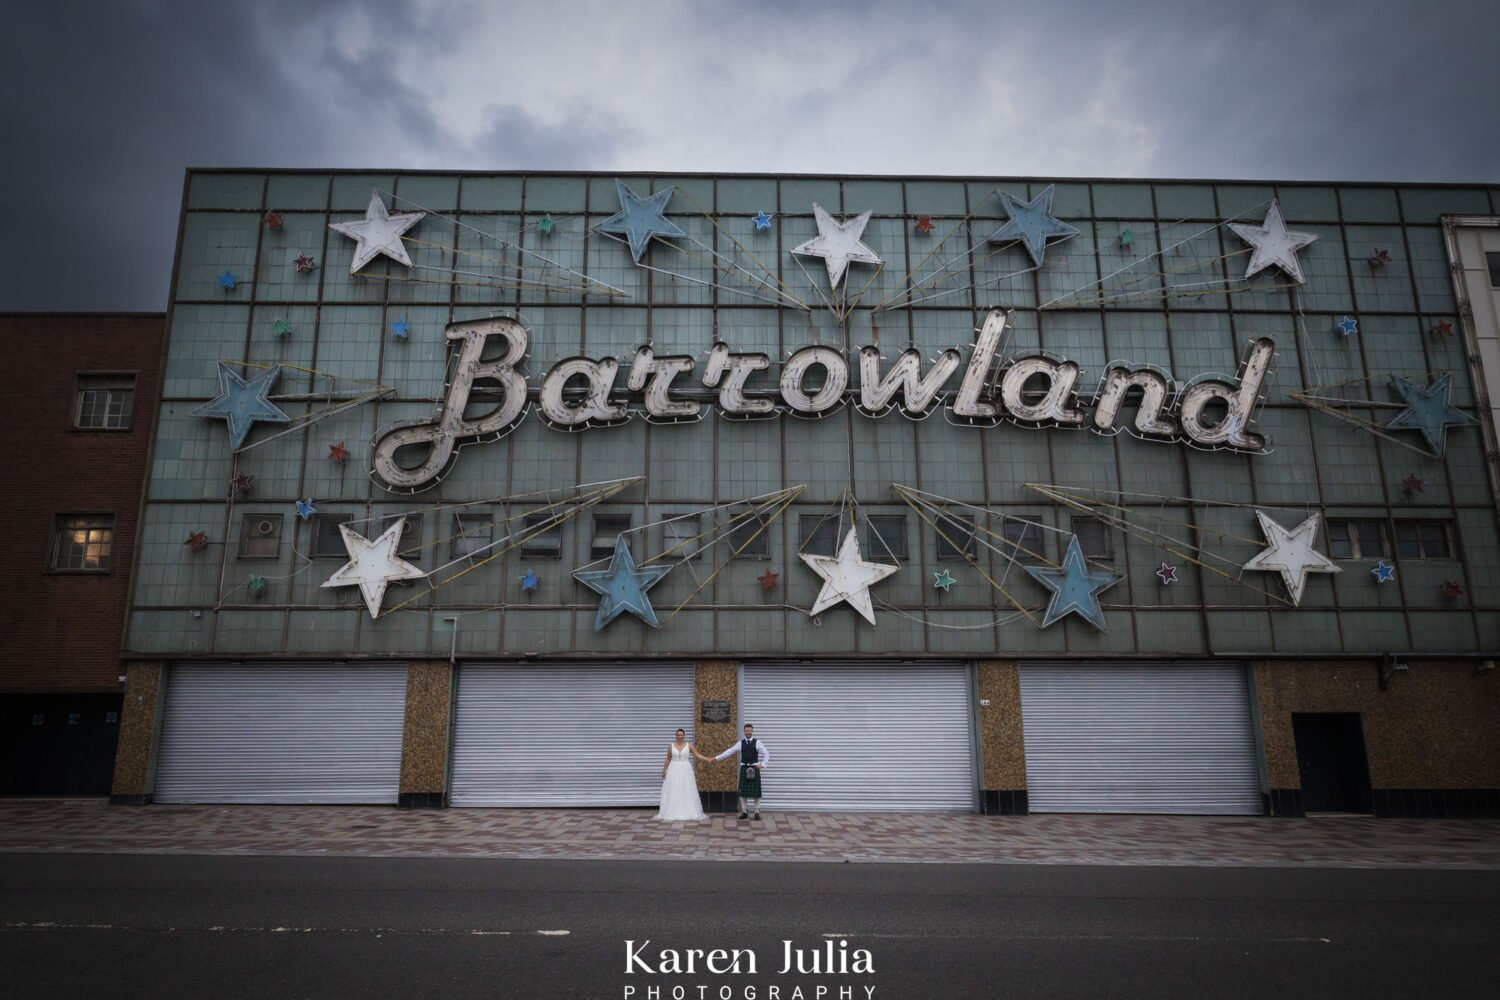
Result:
[378,232]
[1427,410]
[242,403]
[847,577]
[639,219]
[373,566]
[622,587]
[838,243]
[1291,554]
[1274,243]
[1031,222]
[1075,588]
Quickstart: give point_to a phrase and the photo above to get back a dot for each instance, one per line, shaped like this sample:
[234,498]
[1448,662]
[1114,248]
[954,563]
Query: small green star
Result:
[1127,238]
[545,224]
[256,586]
[281,327]
[943,580]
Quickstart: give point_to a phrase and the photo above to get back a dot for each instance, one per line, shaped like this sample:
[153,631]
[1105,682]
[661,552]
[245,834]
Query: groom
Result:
[754,755]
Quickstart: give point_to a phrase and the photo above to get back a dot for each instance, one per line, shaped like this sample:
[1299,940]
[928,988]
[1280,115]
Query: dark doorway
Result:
[58,744]
[1331,757]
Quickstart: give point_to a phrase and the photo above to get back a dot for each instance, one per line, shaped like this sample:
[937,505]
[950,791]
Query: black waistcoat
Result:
[749,752]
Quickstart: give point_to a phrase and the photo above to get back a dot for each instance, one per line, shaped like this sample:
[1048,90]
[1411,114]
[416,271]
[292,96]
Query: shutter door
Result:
[305,734]
[1133,738]
[567,735]
[888,737]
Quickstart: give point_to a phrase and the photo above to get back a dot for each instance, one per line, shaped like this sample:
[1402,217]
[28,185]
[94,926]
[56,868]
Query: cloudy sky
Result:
[106,104]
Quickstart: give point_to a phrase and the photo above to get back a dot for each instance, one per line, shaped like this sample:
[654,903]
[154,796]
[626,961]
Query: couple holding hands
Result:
[679,786]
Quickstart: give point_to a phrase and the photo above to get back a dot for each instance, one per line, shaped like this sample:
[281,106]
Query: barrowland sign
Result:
[1211,411]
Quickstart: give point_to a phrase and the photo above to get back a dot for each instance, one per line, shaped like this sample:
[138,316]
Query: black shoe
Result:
[756,817]
[744,815]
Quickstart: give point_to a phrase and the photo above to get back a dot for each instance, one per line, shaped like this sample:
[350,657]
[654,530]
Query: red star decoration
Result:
[1452,590]
[767,579]
[304,263]
[197,540]
[338,452]
[1380,258]
[1412,485]
[243,483]
[1442,328]
[273,221]
[924,224]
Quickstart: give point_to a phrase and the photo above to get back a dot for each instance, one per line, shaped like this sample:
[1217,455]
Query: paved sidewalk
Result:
[93,826]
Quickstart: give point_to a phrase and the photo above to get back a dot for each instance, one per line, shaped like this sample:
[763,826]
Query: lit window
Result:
[955,537]
[1094,539]
[543,534]
[260,536]
[749,537]
[1357,540]
[472,534]
[1423,540]
[885,537]
[105,402]
[83,543]
[681,535]
[607,528]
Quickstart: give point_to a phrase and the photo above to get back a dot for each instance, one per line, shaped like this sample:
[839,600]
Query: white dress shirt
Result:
[734,748]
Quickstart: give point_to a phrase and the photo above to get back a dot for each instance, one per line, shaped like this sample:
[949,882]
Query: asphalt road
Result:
[192,926]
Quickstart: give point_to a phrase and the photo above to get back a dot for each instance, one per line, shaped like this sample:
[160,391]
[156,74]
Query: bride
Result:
[679,786]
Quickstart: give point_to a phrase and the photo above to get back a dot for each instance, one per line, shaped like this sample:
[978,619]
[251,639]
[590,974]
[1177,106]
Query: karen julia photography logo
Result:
[828,971]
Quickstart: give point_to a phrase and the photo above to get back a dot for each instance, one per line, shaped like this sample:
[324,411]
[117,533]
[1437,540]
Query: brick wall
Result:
[63,630]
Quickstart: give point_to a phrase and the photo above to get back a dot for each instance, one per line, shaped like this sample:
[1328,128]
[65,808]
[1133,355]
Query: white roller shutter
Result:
[864,736]
[1139,738]
[304,733]
[567,734]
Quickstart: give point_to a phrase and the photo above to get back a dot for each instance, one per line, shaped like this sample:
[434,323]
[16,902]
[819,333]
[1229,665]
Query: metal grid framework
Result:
[342,326]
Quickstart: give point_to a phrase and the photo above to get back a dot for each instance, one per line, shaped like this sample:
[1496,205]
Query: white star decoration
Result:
[1274,243]
[847,577]
[838,243]
[372,566]
[1291,554]
[378,232]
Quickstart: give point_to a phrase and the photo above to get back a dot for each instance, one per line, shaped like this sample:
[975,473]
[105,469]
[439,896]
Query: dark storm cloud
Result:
[106,104]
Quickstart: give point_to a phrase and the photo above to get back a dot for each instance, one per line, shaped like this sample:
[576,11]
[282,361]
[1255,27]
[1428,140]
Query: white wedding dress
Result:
[679,790]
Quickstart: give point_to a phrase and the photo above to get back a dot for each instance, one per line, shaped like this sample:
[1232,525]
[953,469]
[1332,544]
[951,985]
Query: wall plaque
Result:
[714,711]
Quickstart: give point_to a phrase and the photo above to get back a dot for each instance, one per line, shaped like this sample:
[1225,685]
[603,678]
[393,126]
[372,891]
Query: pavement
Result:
[92,826]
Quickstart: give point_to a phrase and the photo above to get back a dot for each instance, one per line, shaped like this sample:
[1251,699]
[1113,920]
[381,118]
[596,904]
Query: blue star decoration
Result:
[400,328]
[942,581]
[1347,326]
[305,508]
[242,403]
[529,581]
[1427,410]
[622,587]
[227,281]
[1383,572]
[1075,588]
[639,219]
[1031,222]
[762,221]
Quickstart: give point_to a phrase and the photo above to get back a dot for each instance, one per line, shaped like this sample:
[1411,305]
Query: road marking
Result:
[554,933]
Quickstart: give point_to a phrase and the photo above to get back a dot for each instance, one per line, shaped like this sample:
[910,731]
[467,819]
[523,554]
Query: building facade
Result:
[973,494]
[80,401]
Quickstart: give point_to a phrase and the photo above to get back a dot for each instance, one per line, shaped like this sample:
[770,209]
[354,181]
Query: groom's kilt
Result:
[749,781]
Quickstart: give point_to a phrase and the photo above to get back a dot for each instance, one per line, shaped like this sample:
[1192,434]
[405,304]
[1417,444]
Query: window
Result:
[1023,538]
[409,547]
[104,403]
[1094,539]
[959,543]
[1492,258]
[681,537]
[82,543]
[885,537]
[607,528]
[1357,540]
[1423,540]
[472,534]
[818,534]
[260,536]
[543,534]
[327,540]
[743,537]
